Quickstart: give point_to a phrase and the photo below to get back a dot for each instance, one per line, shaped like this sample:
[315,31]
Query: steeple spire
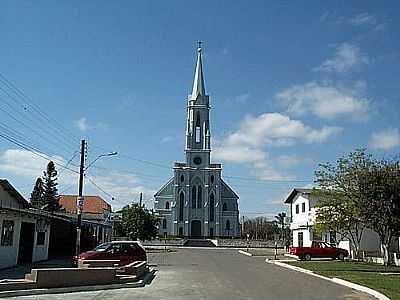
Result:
[198,83]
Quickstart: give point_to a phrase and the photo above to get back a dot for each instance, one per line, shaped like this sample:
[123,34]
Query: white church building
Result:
[196,202]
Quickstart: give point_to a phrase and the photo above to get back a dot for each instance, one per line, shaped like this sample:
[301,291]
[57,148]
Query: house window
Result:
[300,239]
[224,207]
[7,233]
[303,207]
[167,205]
[181,203]
[297,208]
[164,223]
[41,236]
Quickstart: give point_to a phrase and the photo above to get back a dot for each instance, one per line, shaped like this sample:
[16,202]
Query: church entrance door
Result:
[196,229]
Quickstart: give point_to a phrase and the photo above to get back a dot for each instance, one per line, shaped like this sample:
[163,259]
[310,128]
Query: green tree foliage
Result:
[50,193]
[280,218]
[340,196]
[138,223]
[37,194]
[381,193]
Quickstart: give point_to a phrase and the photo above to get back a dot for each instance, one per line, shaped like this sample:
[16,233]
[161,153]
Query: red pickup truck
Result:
[319,249]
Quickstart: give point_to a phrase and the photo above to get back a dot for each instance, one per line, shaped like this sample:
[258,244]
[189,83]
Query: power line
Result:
[34,151]
[17,91]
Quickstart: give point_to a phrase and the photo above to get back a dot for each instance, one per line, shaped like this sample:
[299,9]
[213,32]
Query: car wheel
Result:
[307,256]
[341,256]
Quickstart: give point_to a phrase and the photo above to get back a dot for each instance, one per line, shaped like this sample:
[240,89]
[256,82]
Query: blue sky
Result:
[290,85]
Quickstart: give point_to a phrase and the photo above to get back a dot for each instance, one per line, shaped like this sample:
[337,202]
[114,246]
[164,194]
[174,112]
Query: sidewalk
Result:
[18,272]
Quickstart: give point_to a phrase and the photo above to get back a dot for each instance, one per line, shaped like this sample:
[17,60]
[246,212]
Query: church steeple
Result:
[198,138]
[198,83]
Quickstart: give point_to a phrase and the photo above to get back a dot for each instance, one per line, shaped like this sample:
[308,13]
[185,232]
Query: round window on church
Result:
[197,160]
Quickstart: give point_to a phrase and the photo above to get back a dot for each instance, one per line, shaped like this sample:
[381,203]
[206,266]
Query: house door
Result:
[300,239]
[196,229]
[26,239]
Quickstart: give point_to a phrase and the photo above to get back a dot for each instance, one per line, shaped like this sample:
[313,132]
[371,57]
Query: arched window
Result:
[212,179]
[164,223]
[198,130]
[194,197]
[181,204]
[211,208]
[227,225]
[182,178]
[224,207]
[199,197]
[167,205]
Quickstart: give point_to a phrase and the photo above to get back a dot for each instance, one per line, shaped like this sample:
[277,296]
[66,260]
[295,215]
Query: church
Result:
[196,202]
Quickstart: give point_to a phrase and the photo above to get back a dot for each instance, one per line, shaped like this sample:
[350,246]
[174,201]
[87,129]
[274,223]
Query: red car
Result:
[124,251]
[319,249]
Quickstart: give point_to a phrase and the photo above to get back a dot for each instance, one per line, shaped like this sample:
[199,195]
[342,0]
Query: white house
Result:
[24,232]
[302,215]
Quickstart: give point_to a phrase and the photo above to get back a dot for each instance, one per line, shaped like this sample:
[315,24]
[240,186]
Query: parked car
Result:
[124,251]
[319,249]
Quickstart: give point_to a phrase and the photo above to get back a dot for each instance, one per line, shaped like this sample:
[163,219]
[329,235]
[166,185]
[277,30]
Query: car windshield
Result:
[102,247]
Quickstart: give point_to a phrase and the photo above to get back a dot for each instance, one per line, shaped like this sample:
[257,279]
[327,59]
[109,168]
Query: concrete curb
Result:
[245,253]
[76,289]
[339,281]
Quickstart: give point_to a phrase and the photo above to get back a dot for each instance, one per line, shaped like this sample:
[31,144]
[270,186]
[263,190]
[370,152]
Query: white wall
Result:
[9,254]
[307,237]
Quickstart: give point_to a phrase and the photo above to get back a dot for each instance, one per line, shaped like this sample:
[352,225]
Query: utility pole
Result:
[140,199]
[79,203]
[242,225]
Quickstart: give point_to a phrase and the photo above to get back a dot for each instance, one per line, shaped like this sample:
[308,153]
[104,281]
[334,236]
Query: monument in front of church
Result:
[196,202]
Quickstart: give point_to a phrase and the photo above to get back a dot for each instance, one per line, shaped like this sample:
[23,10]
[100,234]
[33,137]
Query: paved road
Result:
[225,275]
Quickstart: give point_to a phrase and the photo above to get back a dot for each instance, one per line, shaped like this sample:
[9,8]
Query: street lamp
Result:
[80,199]
[101,155]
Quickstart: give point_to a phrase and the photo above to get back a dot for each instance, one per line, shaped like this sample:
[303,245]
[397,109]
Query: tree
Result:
[280,218]
[381,191]
[341,198]
[37,194]
[50,194]
[139,223]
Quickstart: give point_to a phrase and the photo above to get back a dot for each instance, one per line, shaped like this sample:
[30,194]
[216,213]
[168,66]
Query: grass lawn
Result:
[358,272]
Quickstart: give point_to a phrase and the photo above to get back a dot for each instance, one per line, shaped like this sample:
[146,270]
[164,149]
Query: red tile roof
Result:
[91,204]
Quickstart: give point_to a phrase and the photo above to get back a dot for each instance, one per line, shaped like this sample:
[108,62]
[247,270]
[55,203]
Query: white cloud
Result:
[83,125]
[125,187]
[324,101]
[24,163]
[363,19]
[247,144]
[385,139]
[347,57]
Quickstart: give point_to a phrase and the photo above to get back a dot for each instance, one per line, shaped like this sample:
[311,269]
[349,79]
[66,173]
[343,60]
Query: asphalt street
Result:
[221,274]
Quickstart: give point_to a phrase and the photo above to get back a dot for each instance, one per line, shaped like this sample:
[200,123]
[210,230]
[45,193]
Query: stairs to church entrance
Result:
[198,243]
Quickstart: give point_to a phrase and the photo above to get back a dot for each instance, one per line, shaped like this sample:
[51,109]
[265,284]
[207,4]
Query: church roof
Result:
[198,83]
[227,192]
[166,189]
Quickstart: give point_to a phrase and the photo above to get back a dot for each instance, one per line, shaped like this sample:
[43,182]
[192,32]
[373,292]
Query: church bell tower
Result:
[198,139]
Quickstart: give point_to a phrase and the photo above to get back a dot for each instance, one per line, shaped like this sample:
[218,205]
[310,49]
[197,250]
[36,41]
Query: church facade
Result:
[196,202]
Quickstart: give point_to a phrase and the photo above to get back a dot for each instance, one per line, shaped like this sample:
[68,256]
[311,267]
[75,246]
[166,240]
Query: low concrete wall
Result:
[65,277]
[97,263]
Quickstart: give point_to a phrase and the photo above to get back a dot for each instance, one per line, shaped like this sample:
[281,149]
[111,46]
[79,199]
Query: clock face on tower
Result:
[197,160]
